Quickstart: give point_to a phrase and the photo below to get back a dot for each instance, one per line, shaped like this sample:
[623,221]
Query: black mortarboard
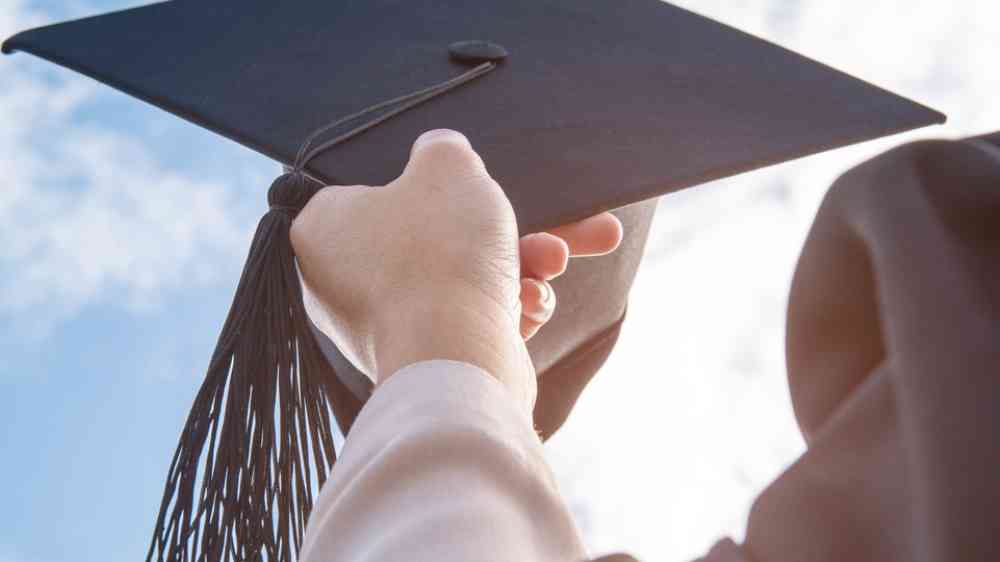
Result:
[596,105]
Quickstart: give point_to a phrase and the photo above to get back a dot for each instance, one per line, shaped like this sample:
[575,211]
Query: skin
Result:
[430,266]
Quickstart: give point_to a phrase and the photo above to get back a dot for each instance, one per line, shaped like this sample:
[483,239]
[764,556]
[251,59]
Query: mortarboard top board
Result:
[597,105]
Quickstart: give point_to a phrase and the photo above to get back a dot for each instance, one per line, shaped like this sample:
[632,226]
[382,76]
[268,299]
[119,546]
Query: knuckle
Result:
[450,151]
[441,134]
[303,228]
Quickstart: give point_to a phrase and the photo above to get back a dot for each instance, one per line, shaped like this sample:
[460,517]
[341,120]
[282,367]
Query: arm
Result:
[424,285]
[442,465]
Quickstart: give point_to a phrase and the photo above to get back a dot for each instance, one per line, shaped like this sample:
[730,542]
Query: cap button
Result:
[476,52]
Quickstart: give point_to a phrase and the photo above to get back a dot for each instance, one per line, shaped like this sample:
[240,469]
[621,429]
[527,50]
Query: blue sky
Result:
[122,230]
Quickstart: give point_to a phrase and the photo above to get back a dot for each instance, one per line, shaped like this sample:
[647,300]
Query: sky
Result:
[123,229]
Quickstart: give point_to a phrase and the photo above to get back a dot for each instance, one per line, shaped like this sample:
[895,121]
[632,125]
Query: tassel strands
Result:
[258,441]
[260,426]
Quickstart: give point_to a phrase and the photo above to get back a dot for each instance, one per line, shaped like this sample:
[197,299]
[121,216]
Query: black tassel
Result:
[260,425]
[262,417]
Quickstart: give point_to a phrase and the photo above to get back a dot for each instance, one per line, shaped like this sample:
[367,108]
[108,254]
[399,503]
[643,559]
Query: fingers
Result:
[543,256]
[538,302]
[593,236]
[442,158]
[446,156]
[443,154]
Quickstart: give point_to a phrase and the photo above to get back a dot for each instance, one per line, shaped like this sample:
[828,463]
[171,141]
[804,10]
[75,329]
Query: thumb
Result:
[443,154]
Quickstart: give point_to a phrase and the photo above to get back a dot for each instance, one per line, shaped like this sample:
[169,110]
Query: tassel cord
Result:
[258,442]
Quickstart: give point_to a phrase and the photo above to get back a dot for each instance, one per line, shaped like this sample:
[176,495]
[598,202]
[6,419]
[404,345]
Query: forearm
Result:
[442,464]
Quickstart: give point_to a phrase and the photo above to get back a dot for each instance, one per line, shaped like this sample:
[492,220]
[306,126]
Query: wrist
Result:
[458,328]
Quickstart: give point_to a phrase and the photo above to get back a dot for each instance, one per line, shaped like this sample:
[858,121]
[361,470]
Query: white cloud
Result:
[87,213]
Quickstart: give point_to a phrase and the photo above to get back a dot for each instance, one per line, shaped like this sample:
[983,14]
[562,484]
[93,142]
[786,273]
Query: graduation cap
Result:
[576,106]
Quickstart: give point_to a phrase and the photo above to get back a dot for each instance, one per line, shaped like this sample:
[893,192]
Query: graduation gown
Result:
[893,351]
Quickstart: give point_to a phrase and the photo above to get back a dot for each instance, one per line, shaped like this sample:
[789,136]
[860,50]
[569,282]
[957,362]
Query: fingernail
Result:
[437,134]
[543,289]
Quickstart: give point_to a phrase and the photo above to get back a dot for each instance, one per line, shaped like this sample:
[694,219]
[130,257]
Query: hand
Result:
[430,266]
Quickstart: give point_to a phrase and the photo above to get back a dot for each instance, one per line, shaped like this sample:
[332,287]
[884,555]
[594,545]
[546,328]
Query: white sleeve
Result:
[441,465]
